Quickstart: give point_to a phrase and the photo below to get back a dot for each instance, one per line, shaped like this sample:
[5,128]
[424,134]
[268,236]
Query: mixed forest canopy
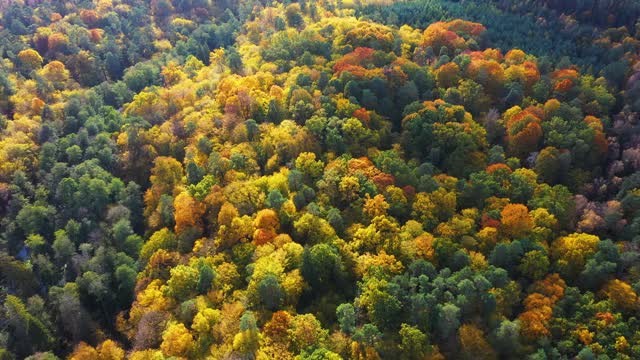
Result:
[333,179]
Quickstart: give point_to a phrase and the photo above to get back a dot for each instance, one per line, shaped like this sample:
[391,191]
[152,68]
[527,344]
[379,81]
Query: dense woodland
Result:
[334,179]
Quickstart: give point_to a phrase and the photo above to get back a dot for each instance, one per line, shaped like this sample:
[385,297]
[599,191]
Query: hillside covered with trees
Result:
[333,179]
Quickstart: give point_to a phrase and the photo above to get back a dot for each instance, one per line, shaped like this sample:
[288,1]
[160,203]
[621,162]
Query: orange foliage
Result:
[524,131]
[363,115]
[263,236]
[382,180]
[466,27]
[552,286]
[356,62]
[362,165]
[37,105]
[188,212]
[601,143]
[606,317]
[599,140]
[277,327]
[621,294]
[450,34]
[498,167]
[266,224]
[539,307]
[515,220]
[563,85]
[95,35]
[56,41]
[492,54]
[424,246]
[375,206]
[531,73]
[565,74]
[267,219]
[594,122]
[488,221]
[489,73]
[89,17]
[564,79]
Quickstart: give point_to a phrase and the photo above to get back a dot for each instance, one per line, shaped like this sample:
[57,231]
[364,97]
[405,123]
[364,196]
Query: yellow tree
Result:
[376,206]
[433,208]
[304,331]
[56,73]
[30,59]
[107,350]
[571,252]
[177,341]
[166,175]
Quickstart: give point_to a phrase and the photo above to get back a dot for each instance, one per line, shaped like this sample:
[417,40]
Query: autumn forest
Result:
[319,180]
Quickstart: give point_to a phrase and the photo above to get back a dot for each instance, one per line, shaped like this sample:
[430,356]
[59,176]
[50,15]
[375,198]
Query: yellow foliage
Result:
[621,294]
[177,341]
[572,251]
[204,320]
[386,262]
[150,299]
[107,350]
[30,58]
[147,355]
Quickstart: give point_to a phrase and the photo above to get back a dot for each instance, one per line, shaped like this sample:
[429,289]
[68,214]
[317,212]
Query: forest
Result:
[319,180]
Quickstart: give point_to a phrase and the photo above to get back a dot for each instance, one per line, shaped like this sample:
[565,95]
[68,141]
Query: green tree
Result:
[414,343]
[346,317]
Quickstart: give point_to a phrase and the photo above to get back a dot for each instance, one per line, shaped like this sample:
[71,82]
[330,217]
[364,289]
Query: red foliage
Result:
[95,35]
[409,191]
[355,62]
[383,180]
[363,115]
[263,236]
[488,221]
[563,85]
[453,34]
[564,79]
